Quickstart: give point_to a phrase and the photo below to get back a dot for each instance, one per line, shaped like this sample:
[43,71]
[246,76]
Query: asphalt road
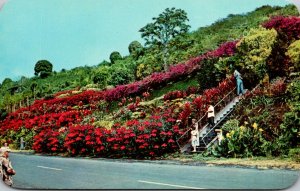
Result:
[42,172]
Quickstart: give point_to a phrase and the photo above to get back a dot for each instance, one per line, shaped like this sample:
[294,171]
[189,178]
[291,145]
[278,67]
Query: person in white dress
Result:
[195,135]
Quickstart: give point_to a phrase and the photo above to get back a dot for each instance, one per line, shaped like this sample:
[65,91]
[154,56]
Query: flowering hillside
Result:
[68,122]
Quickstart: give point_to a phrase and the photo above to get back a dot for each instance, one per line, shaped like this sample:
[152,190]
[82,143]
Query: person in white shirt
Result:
[211,115]
[5,147]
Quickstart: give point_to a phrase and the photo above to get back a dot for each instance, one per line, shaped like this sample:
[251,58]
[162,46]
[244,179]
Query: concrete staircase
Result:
[208,136]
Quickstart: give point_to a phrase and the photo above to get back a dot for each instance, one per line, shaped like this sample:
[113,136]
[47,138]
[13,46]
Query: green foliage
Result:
[150,62]
[115,56]
[294,54]
[291,125]
[244,141]
[3,114]
[43,68]
[255,48]
[135,49]
[294,154]
[182,48]
[231,125]
[209,76]
[15,137]
[6,82]
[120,74]
[101,76]
[169,24]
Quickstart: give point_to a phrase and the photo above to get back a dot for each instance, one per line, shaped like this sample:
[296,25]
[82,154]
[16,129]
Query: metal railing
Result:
[185,138]
[219,121]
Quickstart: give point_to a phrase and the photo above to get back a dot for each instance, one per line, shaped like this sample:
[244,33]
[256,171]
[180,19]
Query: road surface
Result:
[45,172]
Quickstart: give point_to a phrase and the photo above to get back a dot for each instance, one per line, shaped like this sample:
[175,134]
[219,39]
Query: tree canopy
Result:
[43,68]
[169,24]
[114,56]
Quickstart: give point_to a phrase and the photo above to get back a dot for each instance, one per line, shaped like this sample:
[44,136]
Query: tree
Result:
[7,82]
[169,24]
[120,74]
[135,49]
[101,76]
[43,68]
[114,56]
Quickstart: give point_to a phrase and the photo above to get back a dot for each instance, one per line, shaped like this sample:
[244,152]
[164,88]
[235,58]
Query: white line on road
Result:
[49,168]
[173,185]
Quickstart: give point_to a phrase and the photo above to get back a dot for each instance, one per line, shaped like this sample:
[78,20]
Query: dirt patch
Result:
[259,163]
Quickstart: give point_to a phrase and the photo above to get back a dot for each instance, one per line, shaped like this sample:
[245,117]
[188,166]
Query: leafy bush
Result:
[293,53]
[115,56]
[255,48]
[291,125]
[295,154]
[244,141]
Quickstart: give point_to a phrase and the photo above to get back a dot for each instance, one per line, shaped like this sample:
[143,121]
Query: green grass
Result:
[181,85]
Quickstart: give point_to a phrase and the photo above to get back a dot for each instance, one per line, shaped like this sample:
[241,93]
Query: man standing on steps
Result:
[211,119]
[239,83]
[211,116]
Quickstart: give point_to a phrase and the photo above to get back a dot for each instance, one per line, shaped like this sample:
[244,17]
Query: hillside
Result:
[144,118]
[23,92]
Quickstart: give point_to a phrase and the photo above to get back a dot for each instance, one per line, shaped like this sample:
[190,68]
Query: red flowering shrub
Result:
[287,27]
[48,141]
[80,140]
[140,139]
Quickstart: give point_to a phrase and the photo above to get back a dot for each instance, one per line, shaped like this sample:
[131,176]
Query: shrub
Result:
[293,53]
[287,27]
[255,48]
[244,141]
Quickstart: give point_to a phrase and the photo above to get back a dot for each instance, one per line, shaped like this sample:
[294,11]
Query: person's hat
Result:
[3,150]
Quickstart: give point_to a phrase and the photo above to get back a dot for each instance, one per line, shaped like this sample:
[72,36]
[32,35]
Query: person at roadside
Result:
[7,170]
[239,83]
[5,147]
[195,135]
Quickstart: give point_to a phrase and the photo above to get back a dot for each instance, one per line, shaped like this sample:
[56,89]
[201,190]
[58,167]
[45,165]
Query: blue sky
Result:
[71,33]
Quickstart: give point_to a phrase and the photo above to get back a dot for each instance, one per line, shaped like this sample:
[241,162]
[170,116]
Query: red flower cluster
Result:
[285,26]
[52,120]
[47,141]
[139,139]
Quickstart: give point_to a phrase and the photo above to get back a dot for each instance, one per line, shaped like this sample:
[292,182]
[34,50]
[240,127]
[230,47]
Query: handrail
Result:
[215,125]
[202,139]
[202,129]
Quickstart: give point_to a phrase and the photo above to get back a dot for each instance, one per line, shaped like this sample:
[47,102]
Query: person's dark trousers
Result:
[211,124]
